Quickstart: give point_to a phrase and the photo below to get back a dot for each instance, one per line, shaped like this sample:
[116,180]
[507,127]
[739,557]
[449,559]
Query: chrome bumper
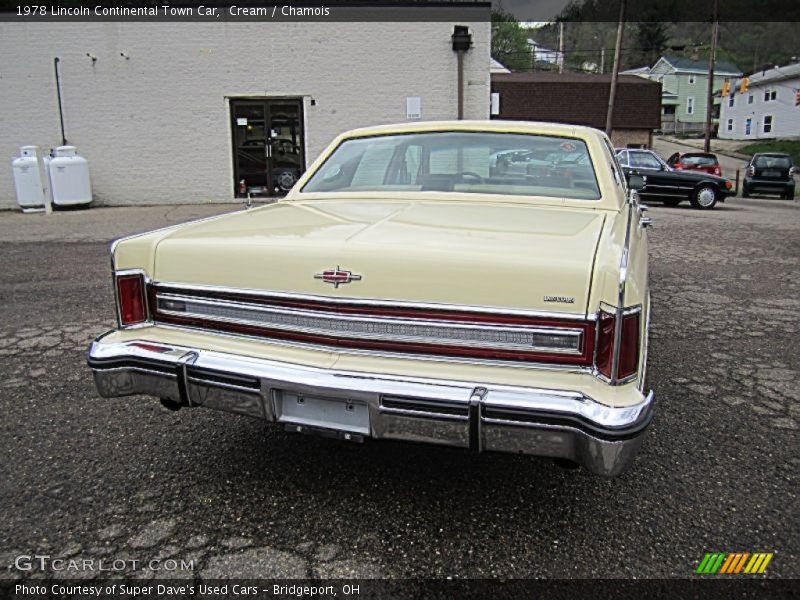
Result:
[353,405]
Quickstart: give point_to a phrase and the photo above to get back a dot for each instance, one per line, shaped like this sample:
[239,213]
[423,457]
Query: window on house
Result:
[770,95]
[750,99]
[690,105]
[692,79]
[748,125]
[730,100]
[730,124]
[767,123]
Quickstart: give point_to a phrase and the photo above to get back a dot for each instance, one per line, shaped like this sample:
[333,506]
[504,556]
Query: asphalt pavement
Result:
[125,479]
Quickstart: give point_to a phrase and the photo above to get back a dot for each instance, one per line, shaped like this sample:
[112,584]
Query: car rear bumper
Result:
[355,405]
[768,184]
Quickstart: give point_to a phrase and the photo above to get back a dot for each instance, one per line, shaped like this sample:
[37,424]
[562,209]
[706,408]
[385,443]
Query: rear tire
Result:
[672,201]
[705,197]
[745,192]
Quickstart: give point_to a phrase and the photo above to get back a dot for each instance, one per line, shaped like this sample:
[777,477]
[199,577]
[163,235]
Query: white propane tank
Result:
[69,178]
[28,178]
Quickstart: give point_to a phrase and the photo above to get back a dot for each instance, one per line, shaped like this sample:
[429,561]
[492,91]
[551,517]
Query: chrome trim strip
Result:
[376,302]
[394,328]
[379,354]
[643,366]
[623,278]
[422,414]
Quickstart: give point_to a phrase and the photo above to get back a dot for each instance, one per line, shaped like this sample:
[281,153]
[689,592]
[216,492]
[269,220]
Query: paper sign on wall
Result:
[495,103]
[241,121]
[413,107]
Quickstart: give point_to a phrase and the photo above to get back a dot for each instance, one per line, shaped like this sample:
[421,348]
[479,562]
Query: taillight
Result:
[629,353]
[131,298]
[717,171]
[628,362]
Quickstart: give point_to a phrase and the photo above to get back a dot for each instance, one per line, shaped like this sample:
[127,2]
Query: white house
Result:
[769,108]
[205,112]
[542,54]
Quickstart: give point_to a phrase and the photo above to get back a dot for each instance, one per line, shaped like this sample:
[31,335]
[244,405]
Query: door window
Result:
[748,125]
[268,145]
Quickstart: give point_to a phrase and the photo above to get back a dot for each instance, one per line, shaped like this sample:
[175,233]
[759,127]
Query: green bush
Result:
[791,147]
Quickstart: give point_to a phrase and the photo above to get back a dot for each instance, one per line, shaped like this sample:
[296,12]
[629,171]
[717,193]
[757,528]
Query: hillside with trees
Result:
[751,46]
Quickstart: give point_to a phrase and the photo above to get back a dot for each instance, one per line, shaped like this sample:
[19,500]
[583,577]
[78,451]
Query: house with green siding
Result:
[684,90]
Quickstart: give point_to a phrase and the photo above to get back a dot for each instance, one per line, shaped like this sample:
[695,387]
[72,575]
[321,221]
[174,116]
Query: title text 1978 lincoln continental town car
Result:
[411,286]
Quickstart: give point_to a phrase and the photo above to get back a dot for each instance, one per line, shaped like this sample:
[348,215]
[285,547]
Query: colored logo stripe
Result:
[734,562]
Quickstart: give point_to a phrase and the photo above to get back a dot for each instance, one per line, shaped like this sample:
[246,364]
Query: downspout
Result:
[57,60]
[462,42]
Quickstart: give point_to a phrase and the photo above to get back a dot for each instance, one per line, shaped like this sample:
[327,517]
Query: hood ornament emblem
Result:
[337,276]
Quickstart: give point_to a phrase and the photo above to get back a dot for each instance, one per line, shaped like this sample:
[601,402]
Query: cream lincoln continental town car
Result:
[474,284]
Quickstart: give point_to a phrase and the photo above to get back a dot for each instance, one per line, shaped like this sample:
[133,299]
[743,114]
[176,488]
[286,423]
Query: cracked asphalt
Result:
[88,478]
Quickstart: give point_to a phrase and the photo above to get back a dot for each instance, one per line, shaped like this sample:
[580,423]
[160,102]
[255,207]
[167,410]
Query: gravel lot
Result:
[126,479]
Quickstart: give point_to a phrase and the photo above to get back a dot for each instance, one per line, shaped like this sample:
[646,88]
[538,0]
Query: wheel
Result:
[705,197]
[285,180]
[672,201]
[789,195]
[745,192]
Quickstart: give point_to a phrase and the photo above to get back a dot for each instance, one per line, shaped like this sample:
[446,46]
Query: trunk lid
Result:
[519,256]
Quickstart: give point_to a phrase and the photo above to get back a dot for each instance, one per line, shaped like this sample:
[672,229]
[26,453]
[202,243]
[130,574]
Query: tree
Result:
[651,39]
[510,41]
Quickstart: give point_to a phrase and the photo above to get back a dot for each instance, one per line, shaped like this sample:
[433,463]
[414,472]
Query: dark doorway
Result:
[268,145]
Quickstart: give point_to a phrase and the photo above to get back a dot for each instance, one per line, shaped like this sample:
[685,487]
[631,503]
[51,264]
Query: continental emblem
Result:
[561,299]
[337,276]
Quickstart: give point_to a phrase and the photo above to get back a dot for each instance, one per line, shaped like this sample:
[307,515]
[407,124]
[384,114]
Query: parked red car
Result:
[696,161]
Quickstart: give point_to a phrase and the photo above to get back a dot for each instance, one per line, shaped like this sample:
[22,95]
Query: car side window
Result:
[644,160]
[622,157]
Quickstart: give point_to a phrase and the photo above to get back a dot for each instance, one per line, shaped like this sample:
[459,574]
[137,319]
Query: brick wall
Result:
[156,128]
[620,138]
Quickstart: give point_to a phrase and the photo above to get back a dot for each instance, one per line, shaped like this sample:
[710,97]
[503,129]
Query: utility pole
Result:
[711,65]
[561,46]
[612,95]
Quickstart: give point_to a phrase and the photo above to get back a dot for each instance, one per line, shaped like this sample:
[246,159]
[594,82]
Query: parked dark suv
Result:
[770,173]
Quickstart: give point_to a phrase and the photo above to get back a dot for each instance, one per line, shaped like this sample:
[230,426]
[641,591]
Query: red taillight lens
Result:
[605,344]
[717,171]
[629,349]
[629,353]
[132,306]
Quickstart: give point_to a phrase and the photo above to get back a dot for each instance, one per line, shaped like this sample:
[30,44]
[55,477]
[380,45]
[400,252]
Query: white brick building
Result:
[768,109]
[178,112]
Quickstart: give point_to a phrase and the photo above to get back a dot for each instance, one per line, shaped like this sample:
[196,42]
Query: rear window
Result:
[460,161]
[773,162]
[699,160]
